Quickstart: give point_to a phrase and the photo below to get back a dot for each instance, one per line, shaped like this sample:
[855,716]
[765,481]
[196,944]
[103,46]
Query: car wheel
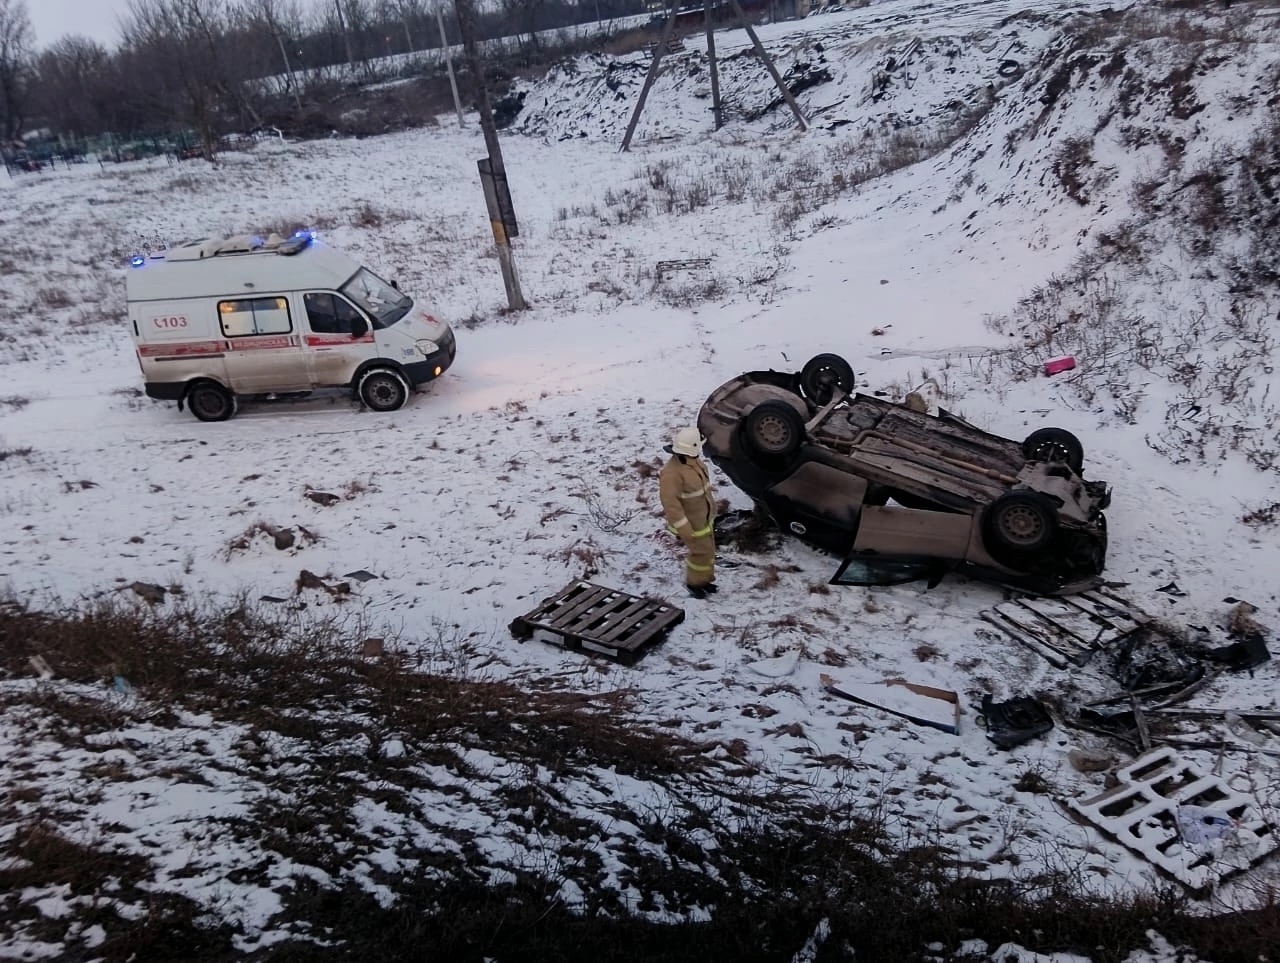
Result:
[1019,527]
[823,374]
[209,401]
[383,390]
[774,429]
[1054,444]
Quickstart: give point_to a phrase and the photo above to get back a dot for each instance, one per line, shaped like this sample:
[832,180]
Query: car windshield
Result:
[383,303]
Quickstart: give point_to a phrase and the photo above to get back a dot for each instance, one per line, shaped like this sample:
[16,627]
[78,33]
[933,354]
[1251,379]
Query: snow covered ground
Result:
[529,463]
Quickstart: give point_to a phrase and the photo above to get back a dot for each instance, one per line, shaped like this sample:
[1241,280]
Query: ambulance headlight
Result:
[428,348]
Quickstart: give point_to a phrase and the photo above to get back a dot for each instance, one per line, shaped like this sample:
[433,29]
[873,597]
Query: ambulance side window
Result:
[329,314]
[254,316]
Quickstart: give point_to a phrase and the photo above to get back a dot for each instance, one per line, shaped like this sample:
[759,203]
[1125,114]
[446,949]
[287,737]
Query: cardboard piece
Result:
[921,704]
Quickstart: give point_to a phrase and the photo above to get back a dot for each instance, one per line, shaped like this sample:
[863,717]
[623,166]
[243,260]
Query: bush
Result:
[724,869]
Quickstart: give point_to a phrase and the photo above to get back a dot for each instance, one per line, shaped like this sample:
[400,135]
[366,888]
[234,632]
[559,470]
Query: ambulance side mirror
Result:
[359,328]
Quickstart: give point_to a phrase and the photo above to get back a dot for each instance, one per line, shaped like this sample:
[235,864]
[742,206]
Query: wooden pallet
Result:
[1068,629]
[587,617]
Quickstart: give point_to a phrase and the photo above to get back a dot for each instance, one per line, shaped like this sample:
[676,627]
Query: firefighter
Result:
[690,508]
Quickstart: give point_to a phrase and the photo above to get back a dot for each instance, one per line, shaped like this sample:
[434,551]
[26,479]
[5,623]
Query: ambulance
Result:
[220,319]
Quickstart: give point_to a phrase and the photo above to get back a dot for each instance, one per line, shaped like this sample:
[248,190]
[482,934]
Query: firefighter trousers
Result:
[700,565]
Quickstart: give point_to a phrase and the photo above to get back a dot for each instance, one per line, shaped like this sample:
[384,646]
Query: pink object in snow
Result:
[1059,364]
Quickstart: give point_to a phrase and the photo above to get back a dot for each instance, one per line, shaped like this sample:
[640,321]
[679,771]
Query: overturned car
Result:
[901,493]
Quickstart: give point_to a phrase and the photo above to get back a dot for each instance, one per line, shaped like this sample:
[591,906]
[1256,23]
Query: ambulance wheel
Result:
[383,390]
[209,401]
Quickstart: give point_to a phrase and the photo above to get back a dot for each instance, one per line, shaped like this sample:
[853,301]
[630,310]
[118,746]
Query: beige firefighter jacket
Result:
[686,496]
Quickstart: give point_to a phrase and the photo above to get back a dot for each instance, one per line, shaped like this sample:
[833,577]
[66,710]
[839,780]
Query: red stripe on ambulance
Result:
[182,349]
[186,349]
[263,343]
[335,340]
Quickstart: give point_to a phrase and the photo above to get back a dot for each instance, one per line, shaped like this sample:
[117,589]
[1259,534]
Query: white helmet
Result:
[688,441]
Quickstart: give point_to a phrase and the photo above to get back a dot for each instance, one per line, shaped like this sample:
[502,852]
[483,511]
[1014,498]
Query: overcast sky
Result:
[95,19]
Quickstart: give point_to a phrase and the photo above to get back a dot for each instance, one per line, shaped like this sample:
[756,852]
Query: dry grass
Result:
[55,298]
[584,556]
[1262,516]
[780,865]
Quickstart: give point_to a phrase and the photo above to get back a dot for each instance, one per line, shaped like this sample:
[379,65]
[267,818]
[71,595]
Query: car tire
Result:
[773,429]
[382,390]
[822,375]
[1054,444]
[1018,528]
[209,401]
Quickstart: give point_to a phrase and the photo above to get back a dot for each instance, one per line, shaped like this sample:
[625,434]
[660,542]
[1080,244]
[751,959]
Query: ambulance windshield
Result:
[383,302]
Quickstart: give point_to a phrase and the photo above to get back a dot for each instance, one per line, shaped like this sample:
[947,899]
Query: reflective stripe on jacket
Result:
[687,499]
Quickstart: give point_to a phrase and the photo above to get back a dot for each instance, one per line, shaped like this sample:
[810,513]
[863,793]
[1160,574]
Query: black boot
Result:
[711,588]
[697,591]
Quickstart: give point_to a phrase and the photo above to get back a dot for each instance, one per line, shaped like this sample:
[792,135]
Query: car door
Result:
[339,340]
[264,349]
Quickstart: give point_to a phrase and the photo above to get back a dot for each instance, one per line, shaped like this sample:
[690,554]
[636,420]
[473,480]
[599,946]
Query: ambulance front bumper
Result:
[434,365]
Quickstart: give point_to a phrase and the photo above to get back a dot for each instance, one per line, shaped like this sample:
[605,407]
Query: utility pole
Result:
[493,170]
[717,111]
[662,47]
[768,63]
[652,75]
[448,62]
[293,81]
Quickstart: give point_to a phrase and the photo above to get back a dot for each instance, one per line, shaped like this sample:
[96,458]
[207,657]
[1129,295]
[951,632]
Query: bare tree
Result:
[525,14]
[406,12]
[280,20]
[75,89]
[185,45]
[15,65]
[357,21]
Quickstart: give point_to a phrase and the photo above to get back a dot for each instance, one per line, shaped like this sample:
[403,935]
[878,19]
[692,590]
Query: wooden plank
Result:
[567,595]
[659,625]
[575,603]
[1043,631]
[1106,596]
[628,618]
[576,606]
[1109,607]
[590,619]
[612,651]
[1055,658]
[1088,630]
